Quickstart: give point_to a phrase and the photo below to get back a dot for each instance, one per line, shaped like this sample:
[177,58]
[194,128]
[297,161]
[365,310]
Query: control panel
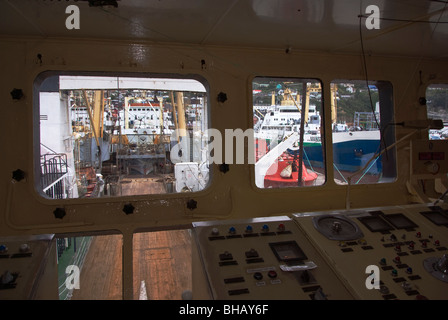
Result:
[28,268]
[428,169]
[384,253]
[429,157]
[262,258]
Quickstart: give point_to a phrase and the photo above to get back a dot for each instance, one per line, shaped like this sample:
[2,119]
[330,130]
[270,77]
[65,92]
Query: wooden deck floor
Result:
[162,267]
[101,277]
[162,262]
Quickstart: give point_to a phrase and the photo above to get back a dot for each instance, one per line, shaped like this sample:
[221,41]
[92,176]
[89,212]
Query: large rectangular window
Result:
[103,136]
[437,109]
[287,115]
[362,130]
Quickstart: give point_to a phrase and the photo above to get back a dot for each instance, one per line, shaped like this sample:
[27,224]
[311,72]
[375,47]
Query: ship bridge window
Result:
[288,153]
[362,117]
[106,136]
[437,109]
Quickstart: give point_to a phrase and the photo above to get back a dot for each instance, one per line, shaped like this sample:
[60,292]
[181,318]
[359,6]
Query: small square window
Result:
[437,109]
[362,126]
[288,151]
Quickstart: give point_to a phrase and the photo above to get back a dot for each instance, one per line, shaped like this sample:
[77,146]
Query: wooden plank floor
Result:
[101,273]
[162,261]
[142,185]
[162,267]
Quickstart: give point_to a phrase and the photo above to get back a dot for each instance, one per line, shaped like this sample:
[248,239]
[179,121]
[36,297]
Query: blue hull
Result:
[347,156]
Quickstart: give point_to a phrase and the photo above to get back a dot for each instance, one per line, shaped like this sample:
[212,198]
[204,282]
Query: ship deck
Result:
[162,260]
[162,267]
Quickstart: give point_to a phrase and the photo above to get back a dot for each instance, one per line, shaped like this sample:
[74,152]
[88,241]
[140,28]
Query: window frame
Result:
[47,81]
[299,79]
[389,172]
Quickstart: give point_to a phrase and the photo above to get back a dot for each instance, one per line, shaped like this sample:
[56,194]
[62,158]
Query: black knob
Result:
[258,276]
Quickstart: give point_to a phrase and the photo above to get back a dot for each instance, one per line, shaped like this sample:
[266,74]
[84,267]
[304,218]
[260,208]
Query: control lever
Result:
[299,267]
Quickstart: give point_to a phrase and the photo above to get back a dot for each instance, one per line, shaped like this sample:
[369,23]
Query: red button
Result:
[272,274]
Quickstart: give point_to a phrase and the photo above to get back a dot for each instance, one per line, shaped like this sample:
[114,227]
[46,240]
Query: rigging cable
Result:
[365,64]
[367,76]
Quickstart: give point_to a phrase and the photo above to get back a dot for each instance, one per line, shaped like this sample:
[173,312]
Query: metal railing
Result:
[54,170]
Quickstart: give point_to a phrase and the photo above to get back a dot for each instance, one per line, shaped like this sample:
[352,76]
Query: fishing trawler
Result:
[353,147]
[279,121]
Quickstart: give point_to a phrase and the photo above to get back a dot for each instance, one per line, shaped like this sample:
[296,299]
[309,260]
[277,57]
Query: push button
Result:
[3,249]
[258,276]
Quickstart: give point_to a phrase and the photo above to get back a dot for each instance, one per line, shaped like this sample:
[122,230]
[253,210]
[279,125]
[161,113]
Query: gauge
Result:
[438,267]
[337,227]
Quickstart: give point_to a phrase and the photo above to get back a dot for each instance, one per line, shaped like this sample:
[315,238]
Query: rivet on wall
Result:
[59,213]
[18,175]
[128,208]
[222,97]
[422,101]
[17,94]
[224,167]
[192,204]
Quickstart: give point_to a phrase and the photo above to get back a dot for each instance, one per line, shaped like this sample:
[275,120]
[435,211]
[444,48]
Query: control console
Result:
[263,258]
[386,253]
[28,268]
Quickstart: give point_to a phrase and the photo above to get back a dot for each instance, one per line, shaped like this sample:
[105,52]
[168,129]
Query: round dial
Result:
[337,227]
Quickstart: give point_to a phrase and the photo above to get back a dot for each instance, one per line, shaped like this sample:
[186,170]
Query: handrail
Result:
[56,181]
